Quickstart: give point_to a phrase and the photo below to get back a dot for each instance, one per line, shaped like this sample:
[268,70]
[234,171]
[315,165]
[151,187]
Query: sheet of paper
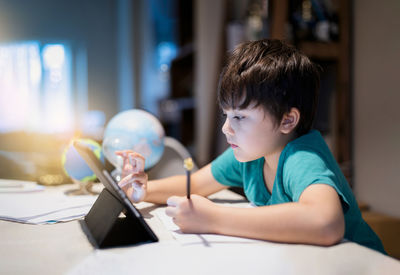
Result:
[18,186]
[189,239]
[43,207]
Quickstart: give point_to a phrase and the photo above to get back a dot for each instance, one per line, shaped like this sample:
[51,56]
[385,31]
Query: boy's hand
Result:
[134,179]
[132,162]
[194,215]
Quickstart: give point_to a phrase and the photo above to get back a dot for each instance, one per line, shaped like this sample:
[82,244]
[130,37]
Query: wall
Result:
[209,43]
[376,104]
[91,23]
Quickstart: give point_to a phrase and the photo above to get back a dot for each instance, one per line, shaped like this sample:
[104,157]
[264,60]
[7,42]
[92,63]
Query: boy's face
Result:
[252,133]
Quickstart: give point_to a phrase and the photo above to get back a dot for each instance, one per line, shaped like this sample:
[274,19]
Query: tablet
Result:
[111,202]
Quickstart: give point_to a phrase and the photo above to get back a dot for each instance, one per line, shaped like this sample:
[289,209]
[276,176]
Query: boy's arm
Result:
[202,183]
[316,219]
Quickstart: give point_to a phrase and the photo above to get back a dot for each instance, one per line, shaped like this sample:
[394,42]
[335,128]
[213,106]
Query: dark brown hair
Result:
[274,75]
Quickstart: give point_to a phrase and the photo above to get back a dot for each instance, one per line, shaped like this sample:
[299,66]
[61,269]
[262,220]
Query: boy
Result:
[268,92]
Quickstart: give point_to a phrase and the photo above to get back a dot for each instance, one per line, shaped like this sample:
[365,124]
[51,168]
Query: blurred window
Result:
[36,88]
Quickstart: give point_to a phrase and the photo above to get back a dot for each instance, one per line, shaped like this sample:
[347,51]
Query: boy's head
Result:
[274,75]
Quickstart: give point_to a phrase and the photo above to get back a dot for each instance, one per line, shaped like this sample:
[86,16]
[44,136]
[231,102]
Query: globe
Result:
[135,130]
[75,166]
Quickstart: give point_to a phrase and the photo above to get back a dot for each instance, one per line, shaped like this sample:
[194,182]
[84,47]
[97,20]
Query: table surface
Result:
[63,248]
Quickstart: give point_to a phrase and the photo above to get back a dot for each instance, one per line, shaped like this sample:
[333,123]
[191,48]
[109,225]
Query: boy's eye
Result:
[238,117]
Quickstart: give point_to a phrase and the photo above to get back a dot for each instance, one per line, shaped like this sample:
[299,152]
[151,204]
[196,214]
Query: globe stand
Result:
[85,188]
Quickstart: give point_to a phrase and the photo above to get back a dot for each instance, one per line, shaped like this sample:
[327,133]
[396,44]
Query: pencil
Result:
[188,165]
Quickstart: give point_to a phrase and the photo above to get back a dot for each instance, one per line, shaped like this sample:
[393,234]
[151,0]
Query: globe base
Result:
[85,188]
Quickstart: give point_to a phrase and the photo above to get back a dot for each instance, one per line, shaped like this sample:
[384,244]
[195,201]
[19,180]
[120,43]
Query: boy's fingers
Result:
[126,168]
[137,161]
[171,201]
[123,153]
[123,184]
[137,179]
[126,180]
[130,154]
[127,163]
[140,165]
[170,211]
[174,200]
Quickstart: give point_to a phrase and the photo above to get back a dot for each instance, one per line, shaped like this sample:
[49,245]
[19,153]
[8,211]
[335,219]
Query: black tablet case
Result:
[103,224]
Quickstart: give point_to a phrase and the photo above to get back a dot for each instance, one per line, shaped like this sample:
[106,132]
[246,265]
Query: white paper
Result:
[43,207]
[189,239]
[18,186]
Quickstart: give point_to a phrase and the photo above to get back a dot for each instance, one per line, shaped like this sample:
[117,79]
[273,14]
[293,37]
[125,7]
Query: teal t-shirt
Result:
[304,161]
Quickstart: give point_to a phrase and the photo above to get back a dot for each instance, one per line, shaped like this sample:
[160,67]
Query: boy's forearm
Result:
[202,183]
[158,191]
[289,222]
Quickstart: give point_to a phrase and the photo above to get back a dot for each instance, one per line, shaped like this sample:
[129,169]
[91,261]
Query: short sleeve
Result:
[227,170]
[304,168]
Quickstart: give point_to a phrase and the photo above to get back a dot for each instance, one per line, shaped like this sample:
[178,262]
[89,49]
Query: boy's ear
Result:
[290,121]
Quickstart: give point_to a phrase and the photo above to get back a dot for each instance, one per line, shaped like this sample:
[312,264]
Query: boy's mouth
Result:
[233,145]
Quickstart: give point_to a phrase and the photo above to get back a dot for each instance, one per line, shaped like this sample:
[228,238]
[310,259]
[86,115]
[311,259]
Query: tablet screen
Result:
[104,176]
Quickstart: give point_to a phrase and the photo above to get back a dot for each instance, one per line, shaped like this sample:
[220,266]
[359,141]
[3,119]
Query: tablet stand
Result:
[105,228]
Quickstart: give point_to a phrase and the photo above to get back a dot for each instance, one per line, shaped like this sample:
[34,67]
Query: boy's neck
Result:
[272,160]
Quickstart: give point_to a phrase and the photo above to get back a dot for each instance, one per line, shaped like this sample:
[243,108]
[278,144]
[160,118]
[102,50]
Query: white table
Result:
[63,248]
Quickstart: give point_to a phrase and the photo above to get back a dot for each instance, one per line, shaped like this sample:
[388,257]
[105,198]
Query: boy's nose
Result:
[226,128]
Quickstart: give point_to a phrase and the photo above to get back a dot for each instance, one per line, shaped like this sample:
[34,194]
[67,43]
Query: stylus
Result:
[188,165]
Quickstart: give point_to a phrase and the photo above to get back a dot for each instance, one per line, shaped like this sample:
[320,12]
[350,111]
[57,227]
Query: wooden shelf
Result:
[338,51]
[320,50]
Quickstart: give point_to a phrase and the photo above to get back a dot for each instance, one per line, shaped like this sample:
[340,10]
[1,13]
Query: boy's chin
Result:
[241,158]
